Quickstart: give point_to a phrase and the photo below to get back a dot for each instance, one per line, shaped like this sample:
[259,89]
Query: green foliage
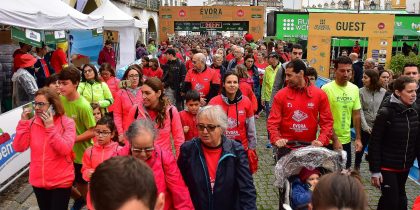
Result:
[399,60]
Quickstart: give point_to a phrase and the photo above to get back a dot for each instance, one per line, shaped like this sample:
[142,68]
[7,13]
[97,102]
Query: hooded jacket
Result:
[24,87]
[169,180]
[296,115]
[94,156]
[172,126]
[241,122]
[96,92]
[394,144]
[174,75]
[233,188]
[51,163]
[107,56]
[124,102]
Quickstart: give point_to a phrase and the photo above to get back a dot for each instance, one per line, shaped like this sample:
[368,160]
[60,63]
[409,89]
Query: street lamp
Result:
[372,5]
[346,5]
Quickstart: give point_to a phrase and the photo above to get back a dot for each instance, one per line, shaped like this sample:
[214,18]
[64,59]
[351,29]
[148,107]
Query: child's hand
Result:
[186,129]
[90,172]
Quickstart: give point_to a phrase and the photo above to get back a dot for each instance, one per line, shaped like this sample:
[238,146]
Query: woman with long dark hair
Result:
[93,89]
[108,75]
[371,96]
[394,144]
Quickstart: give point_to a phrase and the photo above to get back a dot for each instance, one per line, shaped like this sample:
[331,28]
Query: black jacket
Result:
[394,143]
[234,188]
[174,75]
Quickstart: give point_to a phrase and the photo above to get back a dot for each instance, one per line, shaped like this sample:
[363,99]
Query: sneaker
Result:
[268,146]
[78,204]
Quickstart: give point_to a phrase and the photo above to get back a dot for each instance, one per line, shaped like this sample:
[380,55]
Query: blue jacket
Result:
[234,188]
[301,195]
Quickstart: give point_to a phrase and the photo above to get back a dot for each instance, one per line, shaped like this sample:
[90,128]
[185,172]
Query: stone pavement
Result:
[267,198]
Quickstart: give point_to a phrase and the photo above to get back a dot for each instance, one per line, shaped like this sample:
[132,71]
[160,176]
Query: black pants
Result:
[347,148]
[393,191]
[359,155]
[54,199]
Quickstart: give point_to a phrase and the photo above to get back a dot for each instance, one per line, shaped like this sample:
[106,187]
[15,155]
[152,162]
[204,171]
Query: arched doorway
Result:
[141,37]
[151,29]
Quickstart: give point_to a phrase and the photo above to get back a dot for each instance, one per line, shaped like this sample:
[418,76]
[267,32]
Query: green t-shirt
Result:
[81,112]
[343,100]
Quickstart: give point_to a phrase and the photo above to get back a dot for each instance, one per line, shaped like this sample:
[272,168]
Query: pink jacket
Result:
[172,125]
[51,151]
[94,156]
[113,87]
[169,180]
[124,102]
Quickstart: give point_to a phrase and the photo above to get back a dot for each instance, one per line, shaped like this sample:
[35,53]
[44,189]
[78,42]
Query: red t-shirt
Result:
[201,81]
[190,120]
[261,66]
[189,65]
[212,156]
[149,72]
[58,59]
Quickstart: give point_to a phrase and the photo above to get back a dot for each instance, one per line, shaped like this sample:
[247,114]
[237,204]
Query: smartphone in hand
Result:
[51,110]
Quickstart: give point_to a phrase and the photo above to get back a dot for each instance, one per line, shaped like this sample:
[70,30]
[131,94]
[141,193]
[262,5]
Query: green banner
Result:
[97,32]
[407,26]
[292,26]
[27,36]
[211,26]
[53,37]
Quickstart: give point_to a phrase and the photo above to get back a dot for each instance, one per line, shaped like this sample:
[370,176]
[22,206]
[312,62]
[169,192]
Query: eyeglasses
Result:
[147,150]
[102,133]
[87,71]
[250,61]
[297,53]
[39,104]
[133,76]
[210,128]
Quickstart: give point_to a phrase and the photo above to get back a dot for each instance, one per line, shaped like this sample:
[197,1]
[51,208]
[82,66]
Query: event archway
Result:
[377,28]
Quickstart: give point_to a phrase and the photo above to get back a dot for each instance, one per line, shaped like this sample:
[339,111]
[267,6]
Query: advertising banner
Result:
[377,28]
[168,15]
[292,25]
[10,161]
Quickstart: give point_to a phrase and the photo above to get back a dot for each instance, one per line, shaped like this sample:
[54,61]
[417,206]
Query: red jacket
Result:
[58,59]
[294,115]
[113,87]
[246,90]
[107,56]
[124,102]
[172,127]
[94,156]
[169,180]
[241,124]
[190,120]
[149,72]
[51,164]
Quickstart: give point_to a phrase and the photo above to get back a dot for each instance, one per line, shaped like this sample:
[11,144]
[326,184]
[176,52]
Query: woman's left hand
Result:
[48,119]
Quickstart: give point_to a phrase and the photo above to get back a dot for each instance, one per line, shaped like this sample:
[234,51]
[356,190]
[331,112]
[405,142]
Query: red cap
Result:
[248,37]
[24,60]
[306,173]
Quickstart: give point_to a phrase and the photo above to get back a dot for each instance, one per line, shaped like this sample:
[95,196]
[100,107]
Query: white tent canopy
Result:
[45,15]
[115,17]
[128,30]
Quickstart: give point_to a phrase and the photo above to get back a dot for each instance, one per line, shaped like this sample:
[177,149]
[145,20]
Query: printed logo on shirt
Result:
[344,98]
[232,123]
[311,105]
[198,87]
[289,105]
[206,79]
[298,128]
[299,116]
[241,112]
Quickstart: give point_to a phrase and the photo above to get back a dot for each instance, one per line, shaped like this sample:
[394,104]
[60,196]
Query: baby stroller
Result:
[289,166]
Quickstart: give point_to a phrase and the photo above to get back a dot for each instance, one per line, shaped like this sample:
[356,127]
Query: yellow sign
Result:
[378,28]
[253,16]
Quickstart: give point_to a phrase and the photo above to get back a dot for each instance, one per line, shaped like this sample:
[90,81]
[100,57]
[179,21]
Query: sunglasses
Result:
[210,128]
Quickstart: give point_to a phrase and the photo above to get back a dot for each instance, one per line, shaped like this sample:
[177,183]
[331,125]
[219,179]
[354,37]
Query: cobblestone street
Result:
[267,198]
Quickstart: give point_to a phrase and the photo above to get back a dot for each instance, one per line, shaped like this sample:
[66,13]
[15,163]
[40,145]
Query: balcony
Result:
[152,5]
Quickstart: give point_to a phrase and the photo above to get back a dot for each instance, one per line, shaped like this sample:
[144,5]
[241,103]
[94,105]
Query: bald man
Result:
[203,79]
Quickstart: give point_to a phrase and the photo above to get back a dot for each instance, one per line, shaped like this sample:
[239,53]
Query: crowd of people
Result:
[187,117]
